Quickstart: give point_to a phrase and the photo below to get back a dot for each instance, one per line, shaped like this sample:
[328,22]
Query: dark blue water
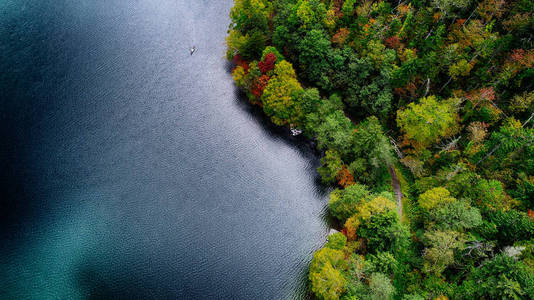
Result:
[131,169]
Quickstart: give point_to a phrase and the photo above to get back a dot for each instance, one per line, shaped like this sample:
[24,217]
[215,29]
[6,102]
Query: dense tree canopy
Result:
[423,112]
[424,123]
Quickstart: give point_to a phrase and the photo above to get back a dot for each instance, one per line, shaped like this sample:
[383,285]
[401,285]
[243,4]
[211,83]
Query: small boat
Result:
[295,131]
[192,50]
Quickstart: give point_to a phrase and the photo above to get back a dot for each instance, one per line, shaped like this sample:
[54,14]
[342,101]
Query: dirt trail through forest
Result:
[396,189]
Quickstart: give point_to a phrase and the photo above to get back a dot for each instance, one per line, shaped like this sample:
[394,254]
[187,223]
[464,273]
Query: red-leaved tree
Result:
[260,85]
[268,63]
[392,42]
[239,61]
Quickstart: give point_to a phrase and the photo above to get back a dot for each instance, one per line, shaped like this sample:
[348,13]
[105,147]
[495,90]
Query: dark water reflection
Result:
[131,169]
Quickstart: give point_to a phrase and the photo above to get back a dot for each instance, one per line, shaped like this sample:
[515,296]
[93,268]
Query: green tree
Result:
[314,53]
[511,144]
[424,123]
[383,232]
[336,241]
[380,204]
[331,164]
[249,45]
[273,50]
[522,102]
[309,100]
[507,227]
[460,69]
[328,284]
[249,28]
[435,197]
[281,37]
[440,250]
[380,287]
[348,7]
[336,133]
[501,278]
[456,215]
[250,15]
[448,6]
[365,80]
[371,144]
[327,281]
[280,95]
[489,194]
[308,13]
[384,262]
[345,203]
[325,108]
[524,190]
[326,255]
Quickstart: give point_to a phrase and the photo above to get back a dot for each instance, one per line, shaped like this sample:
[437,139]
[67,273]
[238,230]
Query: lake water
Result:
[131,169]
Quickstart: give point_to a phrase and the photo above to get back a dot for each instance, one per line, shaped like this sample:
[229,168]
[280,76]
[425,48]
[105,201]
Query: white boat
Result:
[192,50]
[295,131]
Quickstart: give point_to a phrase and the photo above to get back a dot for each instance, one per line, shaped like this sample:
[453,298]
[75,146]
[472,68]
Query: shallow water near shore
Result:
[132,169]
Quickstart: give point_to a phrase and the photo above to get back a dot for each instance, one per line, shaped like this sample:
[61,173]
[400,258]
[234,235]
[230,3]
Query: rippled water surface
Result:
[131,169]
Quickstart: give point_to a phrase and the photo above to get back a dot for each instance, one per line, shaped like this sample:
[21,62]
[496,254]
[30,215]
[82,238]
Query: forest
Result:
[423,112]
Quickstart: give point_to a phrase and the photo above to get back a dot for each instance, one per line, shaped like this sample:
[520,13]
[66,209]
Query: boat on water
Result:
[192,50]
[295,131]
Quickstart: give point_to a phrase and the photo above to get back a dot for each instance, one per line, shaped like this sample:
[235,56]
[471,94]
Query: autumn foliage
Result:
[239,61]
[268,64]
[439,91]
[392,42]
[344,177]
[341,36]
[260,85]
[481,95]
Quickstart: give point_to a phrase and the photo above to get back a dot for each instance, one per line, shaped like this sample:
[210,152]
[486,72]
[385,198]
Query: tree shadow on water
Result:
[307,148]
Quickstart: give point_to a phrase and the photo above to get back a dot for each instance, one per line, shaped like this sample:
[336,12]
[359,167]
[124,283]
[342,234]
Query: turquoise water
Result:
[131,169]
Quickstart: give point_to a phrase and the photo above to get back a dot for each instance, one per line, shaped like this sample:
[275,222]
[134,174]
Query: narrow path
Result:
[396,189]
